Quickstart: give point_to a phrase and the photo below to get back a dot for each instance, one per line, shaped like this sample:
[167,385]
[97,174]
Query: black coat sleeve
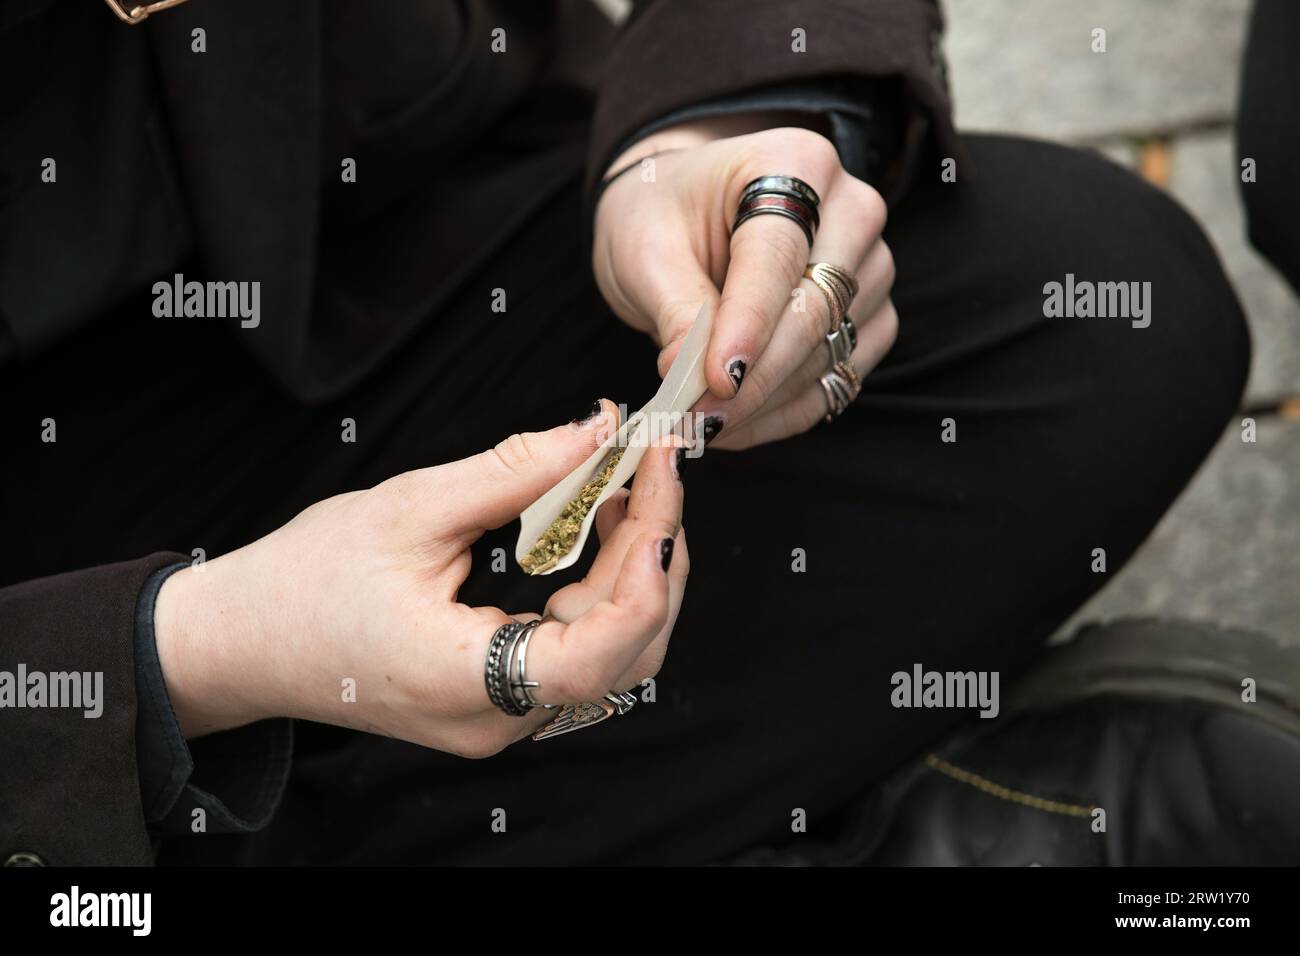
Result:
[675,53]
[69,788]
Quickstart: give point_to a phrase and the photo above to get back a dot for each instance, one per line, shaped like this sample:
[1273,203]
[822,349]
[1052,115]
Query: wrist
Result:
[199,649]
[699,132]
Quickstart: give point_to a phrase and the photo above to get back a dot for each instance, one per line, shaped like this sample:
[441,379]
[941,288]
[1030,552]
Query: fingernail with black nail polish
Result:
[595,410]
[736,370]
[678,460]
[665,553]
[712,425]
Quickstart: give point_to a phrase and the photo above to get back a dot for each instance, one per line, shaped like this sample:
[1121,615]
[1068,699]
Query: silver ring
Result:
[786,185]
[496,669]
[836,399]
[840,386]
[842,342]
[580,716]
[622,701]
[523,685]
[786,196]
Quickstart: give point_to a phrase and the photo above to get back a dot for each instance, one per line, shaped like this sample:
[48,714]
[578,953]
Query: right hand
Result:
[364,585]
[662,247]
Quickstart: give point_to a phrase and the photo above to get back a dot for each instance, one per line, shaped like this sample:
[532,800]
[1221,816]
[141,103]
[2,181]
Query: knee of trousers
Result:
[1181,336]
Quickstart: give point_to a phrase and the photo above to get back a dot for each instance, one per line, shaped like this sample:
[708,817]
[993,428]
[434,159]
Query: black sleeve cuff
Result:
[865,125]
[866,117]
[236,777]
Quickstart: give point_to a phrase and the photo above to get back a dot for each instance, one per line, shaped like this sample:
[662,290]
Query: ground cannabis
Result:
[562,535]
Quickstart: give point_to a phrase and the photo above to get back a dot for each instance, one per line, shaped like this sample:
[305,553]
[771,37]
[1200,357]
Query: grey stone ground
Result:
[1027,66]
[1229,549]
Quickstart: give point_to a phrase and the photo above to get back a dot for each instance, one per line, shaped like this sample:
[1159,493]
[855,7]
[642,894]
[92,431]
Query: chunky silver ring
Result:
[850,329]
[496,669]
[523,687]
[510,690]
[789,185]
[505,671]
[786,196]
[796,210]
[840,386]
[842,342]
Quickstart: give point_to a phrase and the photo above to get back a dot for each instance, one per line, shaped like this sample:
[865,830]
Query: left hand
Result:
[663,245]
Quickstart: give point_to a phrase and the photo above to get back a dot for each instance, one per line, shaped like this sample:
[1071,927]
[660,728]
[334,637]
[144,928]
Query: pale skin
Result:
[363,587]
[662,247]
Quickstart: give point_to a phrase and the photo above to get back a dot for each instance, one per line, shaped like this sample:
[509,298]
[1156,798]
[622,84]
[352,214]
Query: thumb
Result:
[490,489]
[669,289]
[676,317]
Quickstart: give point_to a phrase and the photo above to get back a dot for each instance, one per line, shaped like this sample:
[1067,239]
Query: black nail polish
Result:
[681,458]
[710,428]
[737,372]
[595,410]
[665,553]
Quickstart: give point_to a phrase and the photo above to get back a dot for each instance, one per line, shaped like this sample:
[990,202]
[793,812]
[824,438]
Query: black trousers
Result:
[1072,434]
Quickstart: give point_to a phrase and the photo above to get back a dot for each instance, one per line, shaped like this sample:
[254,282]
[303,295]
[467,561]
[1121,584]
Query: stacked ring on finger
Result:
[785,196]
[840,386]
[510,690]
[842,342]
[507,655]
[838,287]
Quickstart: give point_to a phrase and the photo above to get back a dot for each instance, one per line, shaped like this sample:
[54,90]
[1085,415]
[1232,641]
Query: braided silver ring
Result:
[837,286]
[840,386]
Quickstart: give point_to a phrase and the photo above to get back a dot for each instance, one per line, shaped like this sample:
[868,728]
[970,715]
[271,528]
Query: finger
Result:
[808,407]
[664,286]
[657,496]
[611,513]
[850,238]
[652,658]
[492,726]
[582,660]
[868,316]
[650,268]
[768,254]
[658,286]
[654,507]
[492,488]
[676,313]
[875,278]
